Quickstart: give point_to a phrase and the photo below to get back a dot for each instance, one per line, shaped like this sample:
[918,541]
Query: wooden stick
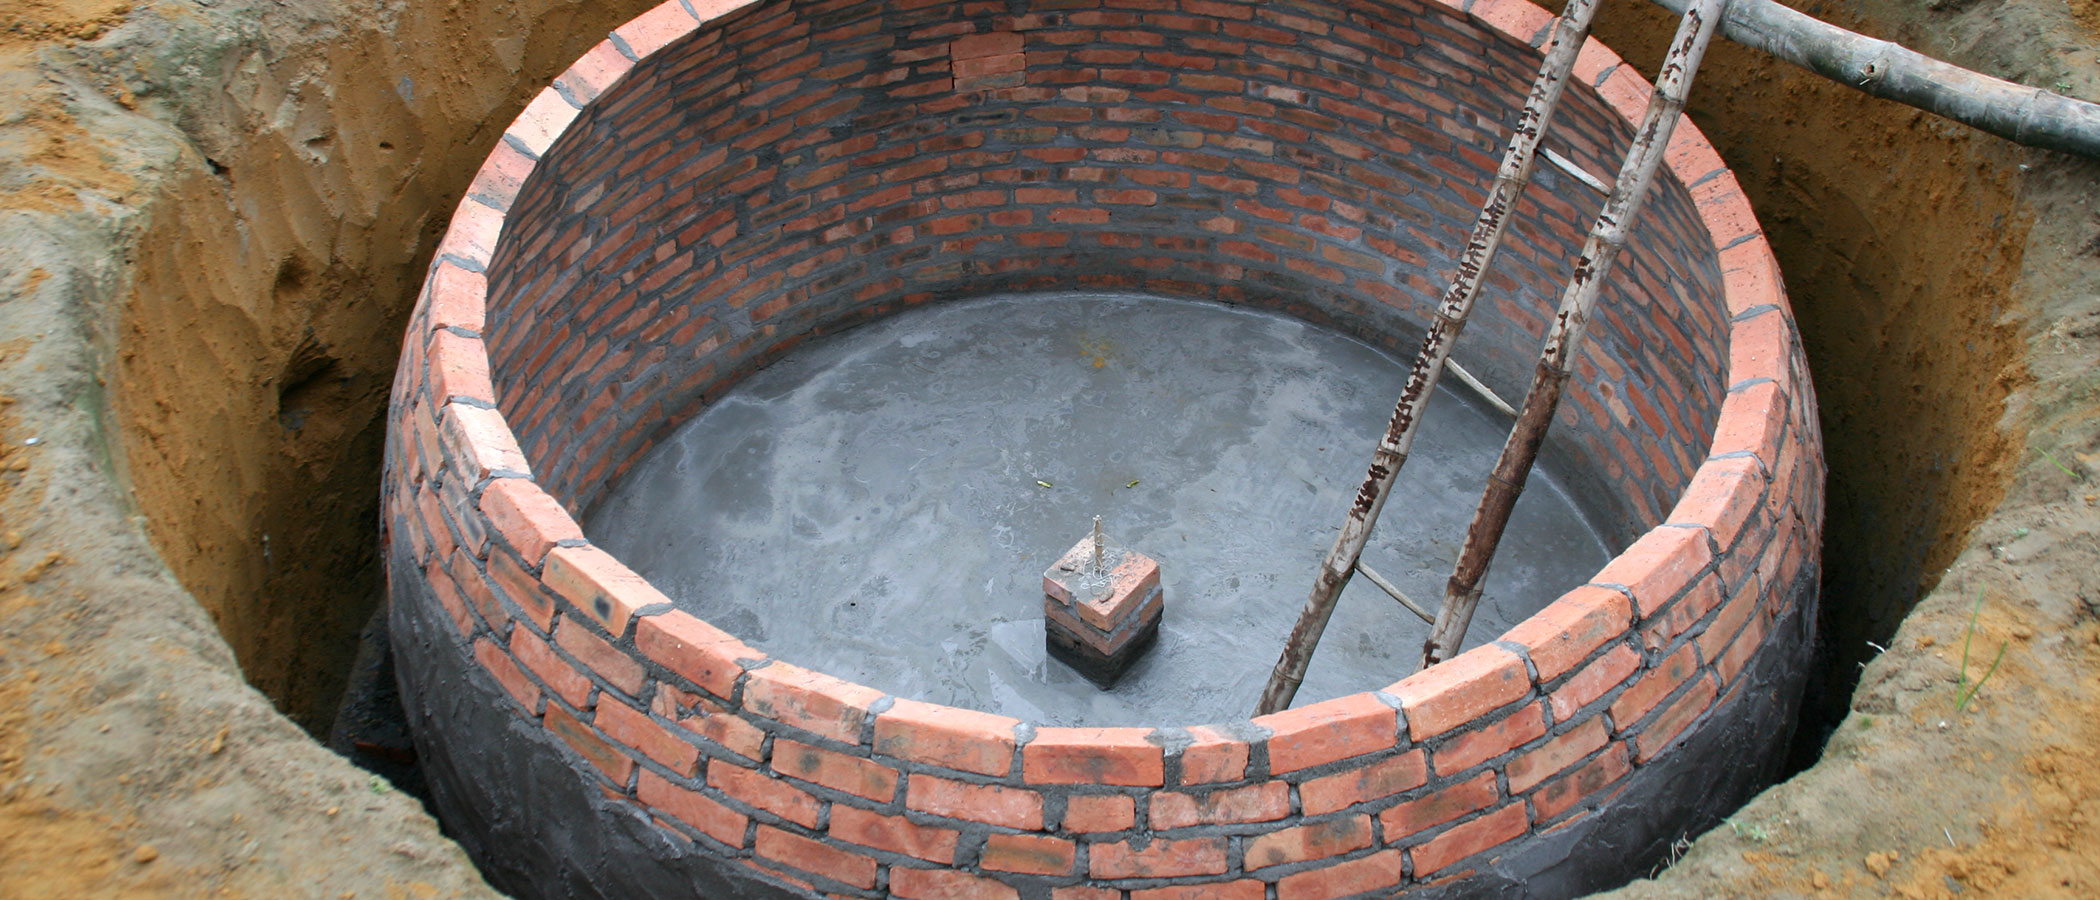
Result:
[2025,115]
[1479,387]
[1450,319]
[1564,339]
[1393,590]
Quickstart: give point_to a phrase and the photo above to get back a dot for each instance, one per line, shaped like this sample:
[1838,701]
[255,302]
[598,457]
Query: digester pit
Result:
[881,504]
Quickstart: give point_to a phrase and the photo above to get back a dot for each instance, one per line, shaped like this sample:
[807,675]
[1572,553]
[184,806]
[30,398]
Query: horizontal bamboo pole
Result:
[2016,112]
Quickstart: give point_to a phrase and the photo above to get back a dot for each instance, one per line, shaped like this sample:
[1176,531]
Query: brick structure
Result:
[711,185]
[1101,607]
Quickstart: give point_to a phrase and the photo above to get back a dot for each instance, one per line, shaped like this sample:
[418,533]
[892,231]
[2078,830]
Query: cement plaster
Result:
[873,505]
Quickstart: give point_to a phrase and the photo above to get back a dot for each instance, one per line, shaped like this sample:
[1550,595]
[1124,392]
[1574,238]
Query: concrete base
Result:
[902,466]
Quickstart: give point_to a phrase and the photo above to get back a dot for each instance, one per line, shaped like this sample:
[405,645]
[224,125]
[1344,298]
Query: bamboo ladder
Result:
[1607,237]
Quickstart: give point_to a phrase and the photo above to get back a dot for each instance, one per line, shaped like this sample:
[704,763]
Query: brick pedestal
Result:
[1100,620]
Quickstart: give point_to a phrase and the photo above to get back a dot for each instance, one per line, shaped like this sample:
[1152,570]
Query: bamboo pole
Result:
[2016,112]
[1564,339]
[1568,35]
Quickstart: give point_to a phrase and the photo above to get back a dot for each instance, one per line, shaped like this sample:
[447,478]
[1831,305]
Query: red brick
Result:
[946,884]
[1557,755]
[695,650]
[988,803]
[1244,889]
[1378,780]
[1657,566]
[812,701]
[596,70]
[1752,420]
[1653,686]
[1071,216]
[1254,803]
[837,771]
[1328,731]
[1302,842]
[505,671]
[554,672]
[761,791]
[990,65]
[1161,858]
[479,443]
[1758,348]
[472,233]
[589,745]
[1750,276]
[598,585]
[543,120]
[1558,796]
[1594,681]
[1478,836]
[976,46]
[1096,813]
[1724,496]
[1085,892]
[527,517]
[946,736]
[1487,742]
[693,808]
[1123,756]
[458,298]
[1569,629]
[1381,870]
[1030,854]
[1673,720]
[1715,639]
[815,857]
[634,728]
[709,720]
[1723,206]
[1449,802]
[1126,196]
[1458,690]
[609,662]
[522,589]
[1681,614]
[650,31]
[1213,756]
[892,833]
[459,368]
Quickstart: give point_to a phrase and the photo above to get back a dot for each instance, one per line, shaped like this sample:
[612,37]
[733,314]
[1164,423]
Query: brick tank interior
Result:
[714,218]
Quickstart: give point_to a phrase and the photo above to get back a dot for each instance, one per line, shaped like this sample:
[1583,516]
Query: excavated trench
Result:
[249,376]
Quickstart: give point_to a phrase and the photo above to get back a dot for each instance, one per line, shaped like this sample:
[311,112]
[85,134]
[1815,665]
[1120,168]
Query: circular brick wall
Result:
[710,186]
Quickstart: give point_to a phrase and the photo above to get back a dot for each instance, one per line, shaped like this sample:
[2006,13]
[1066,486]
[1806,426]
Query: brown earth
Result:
[213,219]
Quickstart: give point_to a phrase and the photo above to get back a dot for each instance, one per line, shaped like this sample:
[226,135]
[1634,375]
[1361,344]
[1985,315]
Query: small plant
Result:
[1964,691]
[2051,457]
[1749,831]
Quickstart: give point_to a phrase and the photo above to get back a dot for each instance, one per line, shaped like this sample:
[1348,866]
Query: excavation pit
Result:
[691,202]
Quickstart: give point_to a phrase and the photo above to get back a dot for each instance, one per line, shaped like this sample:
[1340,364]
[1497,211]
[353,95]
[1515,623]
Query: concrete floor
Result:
[873,506]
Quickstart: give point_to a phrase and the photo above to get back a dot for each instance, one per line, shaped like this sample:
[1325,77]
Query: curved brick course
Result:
[687,202]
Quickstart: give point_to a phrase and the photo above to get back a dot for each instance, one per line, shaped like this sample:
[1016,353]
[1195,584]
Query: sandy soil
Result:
[212,218]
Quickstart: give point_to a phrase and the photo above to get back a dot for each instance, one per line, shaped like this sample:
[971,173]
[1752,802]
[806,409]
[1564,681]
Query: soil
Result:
[213,218]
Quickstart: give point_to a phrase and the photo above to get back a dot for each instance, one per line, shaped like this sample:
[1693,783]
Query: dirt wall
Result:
[253,350]
[1899,235]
